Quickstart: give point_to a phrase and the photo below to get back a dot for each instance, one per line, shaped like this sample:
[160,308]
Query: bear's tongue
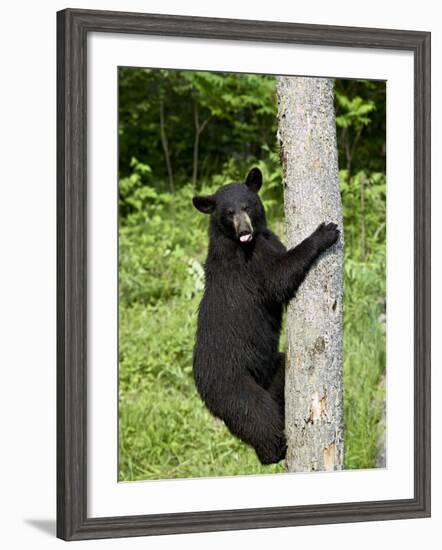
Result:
[246,238]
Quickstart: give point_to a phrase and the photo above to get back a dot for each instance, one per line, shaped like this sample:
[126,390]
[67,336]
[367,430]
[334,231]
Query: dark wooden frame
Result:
[73,27]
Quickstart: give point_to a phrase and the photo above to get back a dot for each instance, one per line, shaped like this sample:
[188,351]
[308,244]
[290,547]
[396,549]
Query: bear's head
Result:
[236,208]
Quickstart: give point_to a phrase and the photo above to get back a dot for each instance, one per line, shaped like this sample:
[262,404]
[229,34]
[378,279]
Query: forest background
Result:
[186,132]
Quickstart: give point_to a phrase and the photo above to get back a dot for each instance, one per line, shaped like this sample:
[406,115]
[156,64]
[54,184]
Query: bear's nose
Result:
[243,227]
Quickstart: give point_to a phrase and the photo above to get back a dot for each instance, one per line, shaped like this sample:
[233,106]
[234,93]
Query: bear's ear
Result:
[254,180]
[205,204]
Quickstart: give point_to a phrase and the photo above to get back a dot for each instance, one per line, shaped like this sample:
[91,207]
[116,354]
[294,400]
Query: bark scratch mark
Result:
[329,457]
[319,346]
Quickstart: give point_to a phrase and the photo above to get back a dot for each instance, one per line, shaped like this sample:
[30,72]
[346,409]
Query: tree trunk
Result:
[196,144]
[314,407]
[165,144]
[362,205]
[199,129]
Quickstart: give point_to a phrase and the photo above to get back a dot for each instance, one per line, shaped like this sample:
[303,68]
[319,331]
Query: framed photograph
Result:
[243,282]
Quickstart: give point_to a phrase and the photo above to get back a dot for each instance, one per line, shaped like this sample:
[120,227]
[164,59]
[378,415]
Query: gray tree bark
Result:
[313,392]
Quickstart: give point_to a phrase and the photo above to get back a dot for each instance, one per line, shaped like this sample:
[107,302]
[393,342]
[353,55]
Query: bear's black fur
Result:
[249,277]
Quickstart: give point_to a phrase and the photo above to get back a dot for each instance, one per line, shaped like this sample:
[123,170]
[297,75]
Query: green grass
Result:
[364,363]
[165,430]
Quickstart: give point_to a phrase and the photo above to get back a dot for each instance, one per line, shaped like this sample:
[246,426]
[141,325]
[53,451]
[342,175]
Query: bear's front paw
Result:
[326,235]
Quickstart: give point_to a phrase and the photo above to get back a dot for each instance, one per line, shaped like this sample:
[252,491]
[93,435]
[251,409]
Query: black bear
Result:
[249,277]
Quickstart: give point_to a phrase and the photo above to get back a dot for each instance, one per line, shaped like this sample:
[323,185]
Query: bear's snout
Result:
[243,227]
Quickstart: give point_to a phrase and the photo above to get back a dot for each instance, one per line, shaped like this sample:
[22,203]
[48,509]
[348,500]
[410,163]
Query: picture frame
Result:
[73,27]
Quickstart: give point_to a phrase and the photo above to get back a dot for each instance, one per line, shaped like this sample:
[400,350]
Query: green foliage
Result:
[360,121]
[355,111]
[165,429]
[157,244]
[364,211]
[364,360]
[237,112]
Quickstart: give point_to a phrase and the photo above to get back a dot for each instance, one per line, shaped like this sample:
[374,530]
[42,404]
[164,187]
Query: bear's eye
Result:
[246,209]
[230,211]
